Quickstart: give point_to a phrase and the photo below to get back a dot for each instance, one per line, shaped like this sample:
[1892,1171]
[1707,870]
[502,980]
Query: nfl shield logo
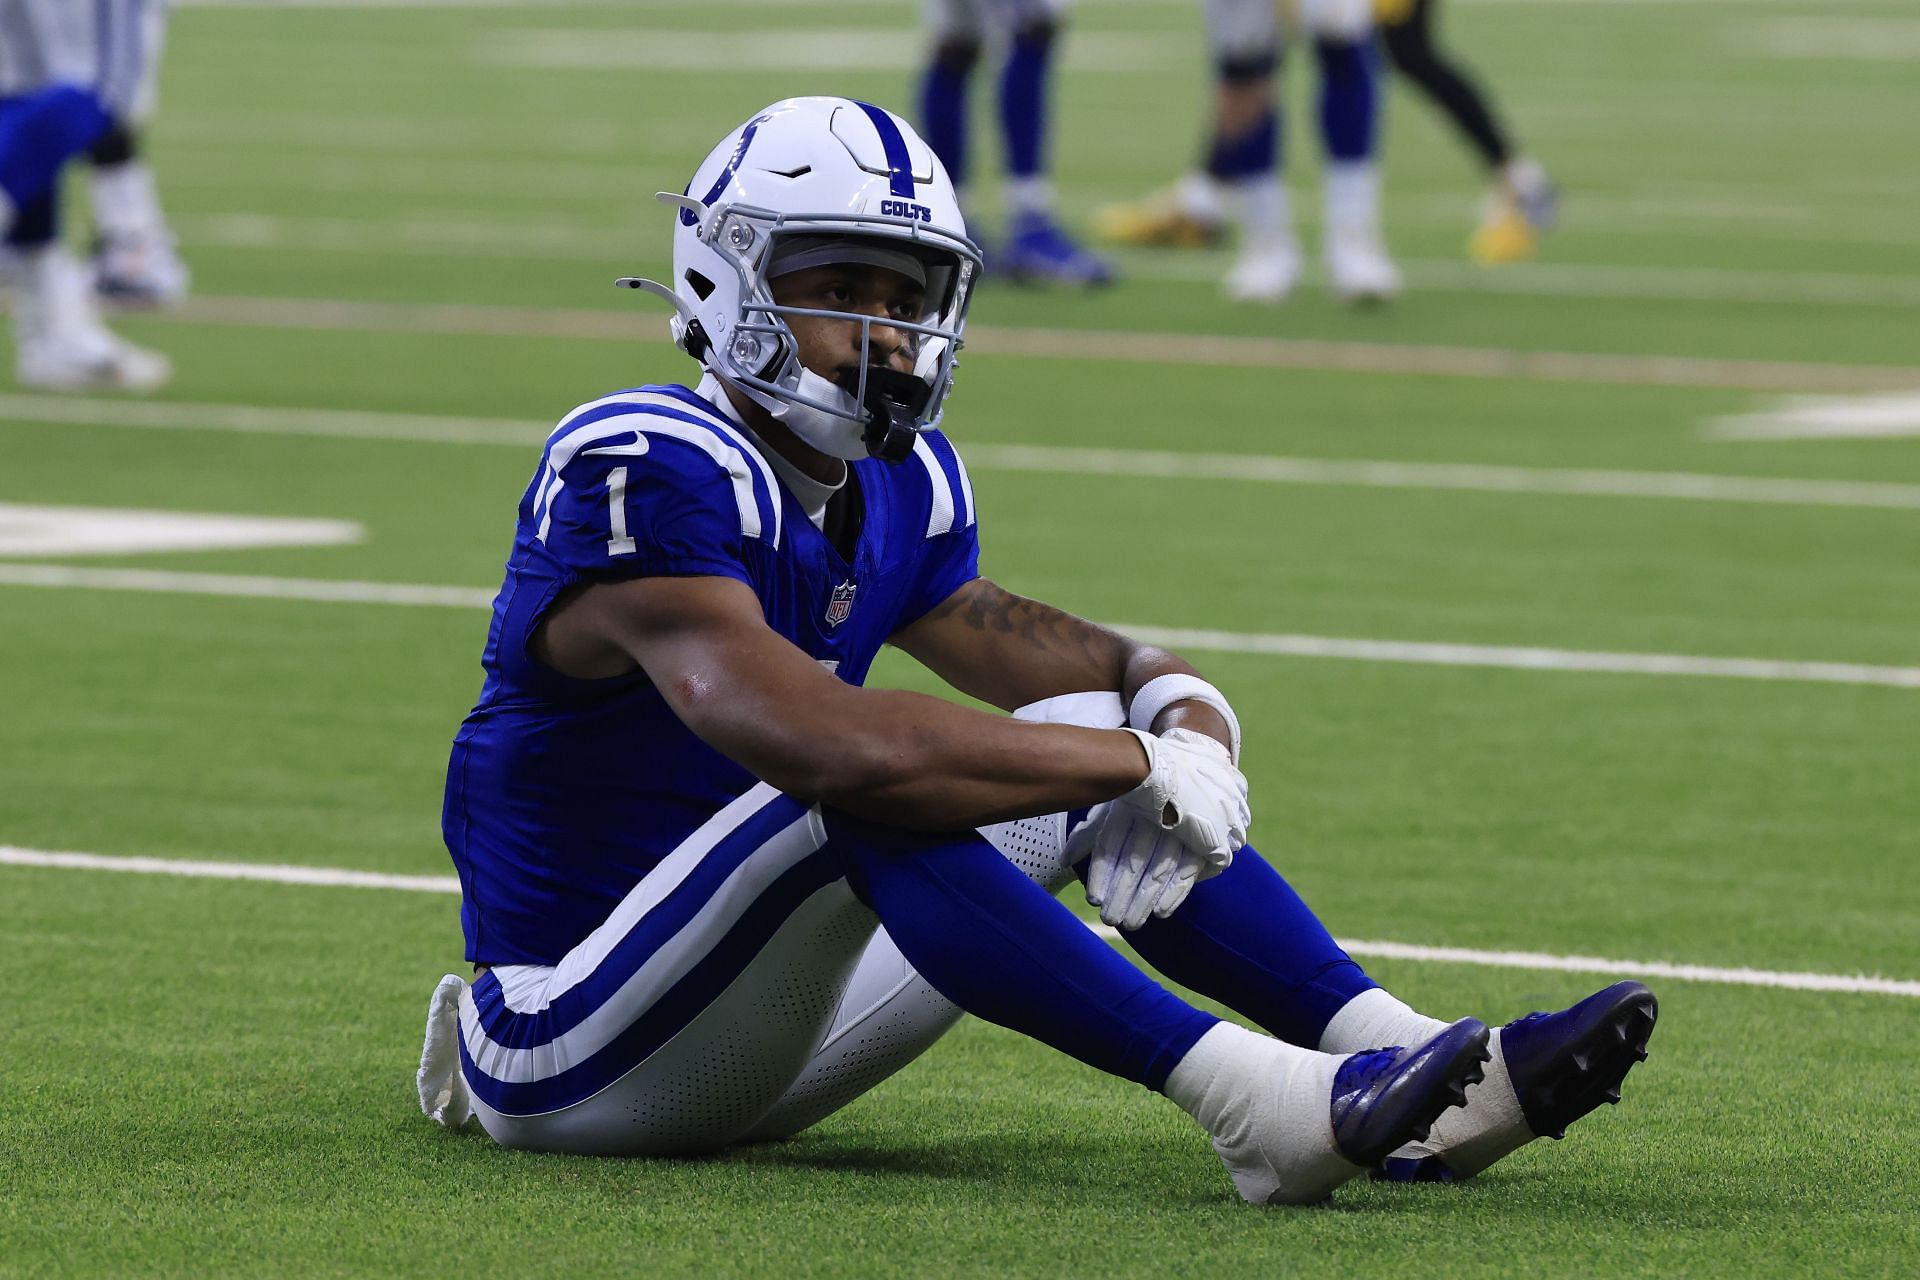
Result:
[841,605]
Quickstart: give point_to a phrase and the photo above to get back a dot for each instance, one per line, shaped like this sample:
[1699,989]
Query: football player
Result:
[1523,201]
[1037,249]
[68,73]
[714,888]
[1241,177]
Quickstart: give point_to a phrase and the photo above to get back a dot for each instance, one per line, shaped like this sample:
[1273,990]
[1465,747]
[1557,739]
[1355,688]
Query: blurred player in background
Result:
[1241,173]
[1523,201]
[73,79]
[1036,249]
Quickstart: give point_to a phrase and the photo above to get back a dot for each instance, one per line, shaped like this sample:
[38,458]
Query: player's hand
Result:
[1180,826]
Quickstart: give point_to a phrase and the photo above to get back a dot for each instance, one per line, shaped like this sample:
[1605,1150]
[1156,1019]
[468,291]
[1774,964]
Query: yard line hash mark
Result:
[340,877]
[1259,644]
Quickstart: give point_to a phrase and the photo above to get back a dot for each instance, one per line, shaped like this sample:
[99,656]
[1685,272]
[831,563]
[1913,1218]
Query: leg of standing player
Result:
[135,259]
[1239,176]
[1524,201]
[60,342]
[1353,247]
[1038,248]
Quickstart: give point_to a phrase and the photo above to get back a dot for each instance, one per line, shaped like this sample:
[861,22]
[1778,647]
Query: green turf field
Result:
[410,214]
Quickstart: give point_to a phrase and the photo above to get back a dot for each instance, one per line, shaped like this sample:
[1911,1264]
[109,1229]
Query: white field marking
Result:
[1091,344]
[1261,468]
[1041,459]
[660,52]
[317,590]
[1522,659]
[464,238]
[40,531]
[340,877]
[343,591]
[1840,37]
[269,420]
[1824,418]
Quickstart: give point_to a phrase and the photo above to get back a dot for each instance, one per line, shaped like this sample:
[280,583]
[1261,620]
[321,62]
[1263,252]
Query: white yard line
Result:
[340,877]
[1227,351]
[1258,644]
[1044,459]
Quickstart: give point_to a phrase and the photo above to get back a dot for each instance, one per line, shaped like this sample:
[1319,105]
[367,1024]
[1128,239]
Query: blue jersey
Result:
[562,793]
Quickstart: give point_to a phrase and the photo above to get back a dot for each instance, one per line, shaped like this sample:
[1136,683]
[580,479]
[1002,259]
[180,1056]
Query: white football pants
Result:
[824,1010]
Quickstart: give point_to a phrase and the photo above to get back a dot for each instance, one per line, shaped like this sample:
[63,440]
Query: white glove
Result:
[1181,825]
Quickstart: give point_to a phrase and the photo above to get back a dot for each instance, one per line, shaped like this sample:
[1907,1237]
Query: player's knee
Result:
[1247,67]
[114,147]
[955,55]
[1037,36]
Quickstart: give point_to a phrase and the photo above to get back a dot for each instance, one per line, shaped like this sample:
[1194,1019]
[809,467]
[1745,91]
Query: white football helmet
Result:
[860,186]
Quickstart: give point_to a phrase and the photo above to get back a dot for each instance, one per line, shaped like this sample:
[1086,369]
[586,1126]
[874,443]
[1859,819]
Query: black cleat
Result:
[1563,1065]
[1387,1098]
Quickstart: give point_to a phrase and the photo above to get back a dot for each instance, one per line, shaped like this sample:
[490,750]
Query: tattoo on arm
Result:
[1049,632]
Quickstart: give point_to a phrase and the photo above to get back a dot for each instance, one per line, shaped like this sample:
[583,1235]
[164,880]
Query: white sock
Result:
[1352,191]
[1267,1105]
[1467,1138]
[1376,1019]
[6,213]
[1266,211]
[1525,177]
[1199,196]
[1028,195]
[125,204]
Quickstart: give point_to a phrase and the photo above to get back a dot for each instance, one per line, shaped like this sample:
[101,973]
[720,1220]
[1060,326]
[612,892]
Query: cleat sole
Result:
[1558,1083]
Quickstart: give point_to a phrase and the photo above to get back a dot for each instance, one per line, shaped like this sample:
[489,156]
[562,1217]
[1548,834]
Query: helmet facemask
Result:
[759,353]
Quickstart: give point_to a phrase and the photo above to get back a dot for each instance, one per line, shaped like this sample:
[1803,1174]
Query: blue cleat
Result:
[1384,1099]
[1559,1067]
[1039,251]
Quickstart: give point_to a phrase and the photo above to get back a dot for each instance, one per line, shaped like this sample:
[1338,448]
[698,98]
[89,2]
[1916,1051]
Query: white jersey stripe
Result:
[658,974]
[731,431]
[940,519]
[666,876]
[728,451]
[966,488]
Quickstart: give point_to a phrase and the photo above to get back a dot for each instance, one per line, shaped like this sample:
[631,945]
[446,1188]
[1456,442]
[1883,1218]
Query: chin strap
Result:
[894,404]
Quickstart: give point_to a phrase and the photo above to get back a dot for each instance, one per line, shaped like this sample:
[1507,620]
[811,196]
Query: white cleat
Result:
[140,272]
[1358,269]
[90,362]
[1265,272]
[61,344]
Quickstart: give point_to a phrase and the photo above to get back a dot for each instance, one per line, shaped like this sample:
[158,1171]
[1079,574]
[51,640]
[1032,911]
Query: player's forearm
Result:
[927,764]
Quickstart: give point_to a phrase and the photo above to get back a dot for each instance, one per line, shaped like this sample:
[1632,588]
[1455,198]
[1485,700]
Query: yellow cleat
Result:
[1505,236]
[1158,223]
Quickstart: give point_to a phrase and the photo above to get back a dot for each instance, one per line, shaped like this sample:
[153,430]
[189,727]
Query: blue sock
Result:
[1246,939]
[1349,99]
[1023,100]
[999,946]
[943,105]
[1252,154]
[41,131]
